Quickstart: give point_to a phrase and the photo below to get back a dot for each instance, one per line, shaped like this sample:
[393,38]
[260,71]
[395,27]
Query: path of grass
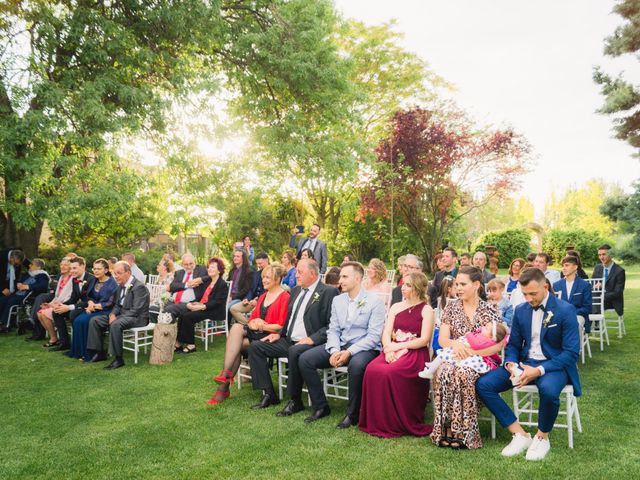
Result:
[63,419]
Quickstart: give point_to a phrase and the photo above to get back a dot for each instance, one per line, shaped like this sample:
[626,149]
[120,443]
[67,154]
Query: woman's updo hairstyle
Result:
[475,275]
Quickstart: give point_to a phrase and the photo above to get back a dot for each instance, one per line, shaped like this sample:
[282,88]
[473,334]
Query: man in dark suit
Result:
[575,290]
[317,246]
[480,261]
[544,344]
[131,310]
[188,285]
[82,283]
[450,262]
[12,262]
[306,326]
[614,279]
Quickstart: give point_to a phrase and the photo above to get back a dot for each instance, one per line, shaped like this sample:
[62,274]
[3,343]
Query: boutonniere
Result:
[547,320]
[361,303]
[316,297]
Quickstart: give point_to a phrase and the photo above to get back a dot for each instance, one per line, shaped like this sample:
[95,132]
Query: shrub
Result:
[555,243]
[511,243]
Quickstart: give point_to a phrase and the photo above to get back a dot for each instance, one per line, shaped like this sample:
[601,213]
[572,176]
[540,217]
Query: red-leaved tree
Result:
[435,168]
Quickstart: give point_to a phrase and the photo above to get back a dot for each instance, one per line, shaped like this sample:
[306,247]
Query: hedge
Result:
[510,243]
[555,243]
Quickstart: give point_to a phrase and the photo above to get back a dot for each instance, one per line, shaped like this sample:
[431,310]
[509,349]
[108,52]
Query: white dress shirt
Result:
[537,317]
[299,331]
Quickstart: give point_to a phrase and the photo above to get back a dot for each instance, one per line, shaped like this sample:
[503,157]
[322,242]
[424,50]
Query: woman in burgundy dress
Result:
[393,396]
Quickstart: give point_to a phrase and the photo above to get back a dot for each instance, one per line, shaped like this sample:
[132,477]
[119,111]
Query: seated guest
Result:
[112,263]
[13,263]
[99,301]
[166,270]
[34,282]
[438,264]
[289,263]
[239,311]
[267,318]
[210,305]
[332,277]
[575,290]
[447,292]
[170,257]
[189,283]
[130,258]
[411,264]
[306,326]
[305,254]
[580,273]
[248,249]
[393,396]
[376,281]
[543,349]
[131,310]
[241,278]
[449,269]
[515,269]
[496,297]
[531,257]
[44,302]
[480,261]
[353,340]
[317,247]
[81,285]
[614,279]
[465,260]
[542,261]
[348,258]
[401,269]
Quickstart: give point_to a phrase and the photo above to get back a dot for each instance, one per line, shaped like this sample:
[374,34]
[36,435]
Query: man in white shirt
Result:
[130,258]
[542,262]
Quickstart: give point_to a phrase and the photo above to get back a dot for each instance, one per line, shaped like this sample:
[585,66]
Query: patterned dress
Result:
[456,403]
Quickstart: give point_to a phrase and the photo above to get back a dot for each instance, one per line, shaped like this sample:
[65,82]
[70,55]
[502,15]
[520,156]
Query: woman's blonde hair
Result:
[419,282]
[379,268]
[277,269]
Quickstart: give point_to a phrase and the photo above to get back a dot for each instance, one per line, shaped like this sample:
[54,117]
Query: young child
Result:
[486,337]
[495,295]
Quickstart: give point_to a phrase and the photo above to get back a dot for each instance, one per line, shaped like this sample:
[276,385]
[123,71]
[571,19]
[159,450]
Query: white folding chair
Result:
[139,337]
[616,323]
[584,340]
[391,276]
[244,372]
[322,275]
[599,329]
[524,405]
[206,329]
[152,279]
[155,293]
[336,380]
[283,376]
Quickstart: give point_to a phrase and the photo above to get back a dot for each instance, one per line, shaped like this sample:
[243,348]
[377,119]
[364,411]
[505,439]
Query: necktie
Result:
[187,277]
[606,274]
[122,290]
[205,297]
[295,313]
[538,307]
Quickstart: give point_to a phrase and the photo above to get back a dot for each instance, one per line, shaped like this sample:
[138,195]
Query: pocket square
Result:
[554,325]
[577,293]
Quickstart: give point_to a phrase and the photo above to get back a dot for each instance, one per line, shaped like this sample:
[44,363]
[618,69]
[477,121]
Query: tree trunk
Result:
[164,340]
[13,236]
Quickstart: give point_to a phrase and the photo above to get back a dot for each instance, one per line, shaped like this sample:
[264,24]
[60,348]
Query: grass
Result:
[63,419]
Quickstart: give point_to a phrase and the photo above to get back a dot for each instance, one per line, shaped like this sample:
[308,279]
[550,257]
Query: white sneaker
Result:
[426,373]
[538,449]
[519,443]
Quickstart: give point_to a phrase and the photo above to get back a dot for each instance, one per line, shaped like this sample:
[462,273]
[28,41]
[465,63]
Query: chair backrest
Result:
[322,275]
[226,310]
[597,295]
[155,293]
[558,294]
[391,276]
[152,279]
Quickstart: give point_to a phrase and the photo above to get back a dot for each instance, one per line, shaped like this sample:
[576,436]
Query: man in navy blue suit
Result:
[544,344]
[575,290]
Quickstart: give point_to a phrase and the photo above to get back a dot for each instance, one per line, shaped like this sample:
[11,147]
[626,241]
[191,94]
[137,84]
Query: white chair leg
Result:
[570,407]
[135,347]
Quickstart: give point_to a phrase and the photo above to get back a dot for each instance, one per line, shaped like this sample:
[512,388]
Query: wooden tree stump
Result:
[164,340]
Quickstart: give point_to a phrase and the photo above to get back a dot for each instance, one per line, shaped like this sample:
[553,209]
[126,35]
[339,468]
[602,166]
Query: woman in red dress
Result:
[393,396]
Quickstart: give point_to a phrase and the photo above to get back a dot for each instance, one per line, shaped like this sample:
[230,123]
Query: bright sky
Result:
[528,65]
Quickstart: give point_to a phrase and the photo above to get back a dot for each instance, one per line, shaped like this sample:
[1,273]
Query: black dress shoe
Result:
[34,339]
[98,357]
[117,363]
[318,414]
[346,422]
[266,401]
[60,348]
[294,406]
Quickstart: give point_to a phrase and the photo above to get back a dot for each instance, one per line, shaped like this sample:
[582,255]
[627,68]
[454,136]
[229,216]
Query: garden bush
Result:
[511,243]
[555,243]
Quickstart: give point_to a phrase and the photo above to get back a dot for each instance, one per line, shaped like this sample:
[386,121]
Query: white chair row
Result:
[207,329]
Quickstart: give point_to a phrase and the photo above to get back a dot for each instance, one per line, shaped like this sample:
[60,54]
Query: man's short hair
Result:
[604,246]
[453,252]
[466,255]
[317,225]
[312,265]
[125,265]
[571,259]
[531,257]
[531,274]
[78,260]
[419,263]
[481,253]
[546,256]
[38,262]
[357,266]
[402,258]
[18,255]
[129,257]
[262,256]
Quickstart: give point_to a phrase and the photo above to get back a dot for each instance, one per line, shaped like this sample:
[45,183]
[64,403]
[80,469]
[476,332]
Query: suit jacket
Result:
[135,303]
[217,301]
[614,288]
[580,295]
[199,272]
[316,314]
[396,295]
[560,339]
[363,332]
[487,276]
[4,263]
[80,288]
[319,251]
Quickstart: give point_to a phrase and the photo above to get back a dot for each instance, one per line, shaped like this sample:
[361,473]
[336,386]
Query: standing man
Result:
[450,269]
[130,258]
[306,326]
[614,279]
[317,246]
[480,261]
[542,262]
[131,310]
[545,344]
[353,340]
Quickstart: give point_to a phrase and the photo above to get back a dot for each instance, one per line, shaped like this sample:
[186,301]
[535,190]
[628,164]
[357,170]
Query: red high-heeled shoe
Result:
[226,376]
[214,401]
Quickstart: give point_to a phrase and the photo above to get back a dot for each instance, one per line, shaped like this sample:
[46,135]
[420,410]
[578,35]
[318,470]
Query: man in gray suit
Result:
[353,340]
[131,310]
[317,246]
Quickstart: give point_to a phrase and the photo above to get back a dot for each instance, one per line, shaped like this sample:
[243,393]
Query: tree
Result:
[622,97]
[625,211]
[435,167]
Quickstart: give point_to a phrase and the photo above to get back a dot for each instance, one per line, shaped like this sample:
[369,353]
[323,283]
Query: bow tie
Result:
[539,307]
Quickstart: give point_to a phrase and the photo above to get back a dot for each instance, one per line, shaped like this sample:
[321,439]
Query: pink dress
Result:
[393,396]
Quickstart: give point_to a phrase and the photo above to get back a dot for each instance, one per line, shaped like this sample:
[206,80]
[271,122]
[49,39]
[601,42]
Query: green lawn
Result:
[63,419]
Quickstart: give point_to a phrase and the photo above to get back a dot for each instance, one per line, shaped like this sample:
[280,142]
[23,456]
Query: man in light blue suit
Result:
[544,344]
[575,290]
[353,339]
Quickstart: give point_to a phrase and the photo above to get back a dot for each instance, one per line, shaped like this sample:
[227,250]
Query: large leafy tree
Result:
[622,97]
[435,168]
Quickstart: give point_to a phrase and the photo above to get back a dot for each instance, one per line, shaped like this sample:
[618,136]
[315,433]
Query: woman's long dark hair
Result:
[475,275]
